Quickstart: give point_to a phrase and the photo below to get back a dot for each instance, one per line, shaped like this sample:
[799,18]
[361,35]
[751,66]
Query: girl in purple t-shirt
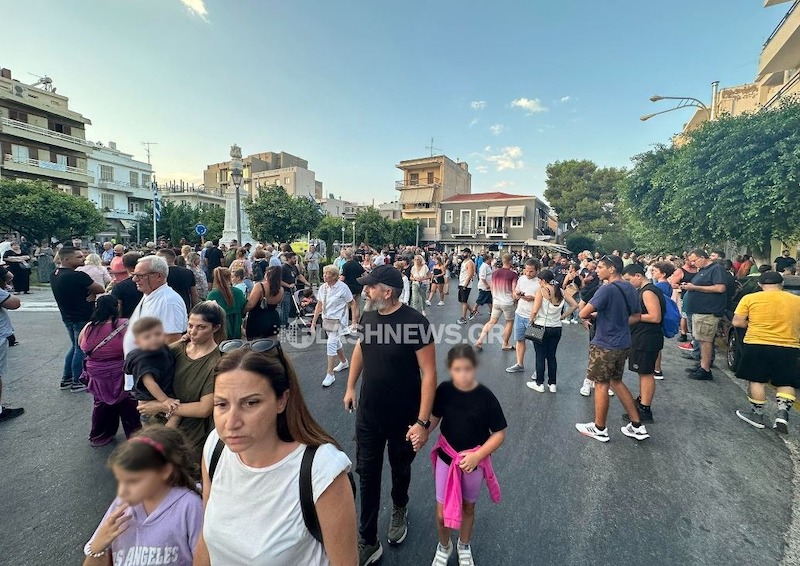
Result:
[158,513]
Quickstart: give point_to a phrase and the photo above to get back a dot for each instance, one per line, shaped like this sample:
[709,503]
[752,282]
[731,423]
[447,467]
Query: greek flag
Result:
[156,203]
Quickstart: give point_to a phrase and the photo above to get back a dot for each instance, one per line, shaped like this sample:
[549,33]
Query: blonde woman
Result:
[333,300]
[93,267]
[420,275]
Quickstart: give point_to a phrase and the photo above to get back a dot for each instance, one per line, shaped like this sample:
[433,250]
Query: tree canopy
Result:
[276,216]
[39,211]
[178,221]
[735,179]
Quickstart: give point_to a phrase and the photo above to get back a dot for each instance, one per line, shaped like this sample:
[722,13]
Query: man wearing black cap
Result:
[398,359]
[770,349]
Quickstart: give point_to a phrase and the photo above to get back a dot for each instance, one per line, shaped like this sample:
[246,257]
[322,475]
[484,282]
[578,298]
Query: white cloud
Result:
[565,99]
[196,8]
[478,104]
[473,122]
[508,158]
[481,169]
[503,184]
[497,129]
[532,105]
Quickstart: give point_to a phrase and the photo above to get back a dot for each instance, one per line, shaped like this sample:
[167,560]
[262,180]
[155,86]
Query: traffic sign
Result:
[201,229]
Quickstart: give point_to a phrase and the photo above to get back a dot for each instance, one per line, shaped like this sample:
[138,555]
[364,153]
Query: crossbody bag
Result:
[84,378]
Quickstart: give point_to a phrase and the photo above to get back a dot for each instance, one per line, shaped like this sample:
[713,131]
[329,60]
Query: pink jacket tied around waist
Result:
[452,492]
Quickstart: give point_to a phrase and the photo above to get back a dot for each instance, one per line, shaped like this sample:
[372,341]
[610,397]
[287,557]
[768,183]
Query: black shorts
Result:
[463,294]
[484,297]
[770,364]
[642,362]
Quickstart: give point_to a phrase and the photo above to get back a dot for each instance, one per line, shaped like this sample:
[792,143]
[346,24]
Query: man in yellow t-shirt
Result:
[771,349]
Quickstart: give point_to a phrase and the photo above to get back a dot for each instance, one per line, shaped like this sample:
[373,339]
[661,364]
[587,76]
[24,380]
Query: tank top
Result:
[549,315]
[463,280]
[687,276]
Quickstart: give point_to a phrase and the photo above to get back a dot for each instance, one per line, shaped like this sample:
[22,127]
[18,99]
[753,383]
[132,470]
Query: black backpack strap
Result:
[212,465]
[307,506]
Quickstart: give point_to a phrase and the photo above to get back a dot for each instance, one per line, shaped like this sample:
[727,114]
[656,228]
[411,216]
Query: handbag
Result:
[84,377]
[534,332]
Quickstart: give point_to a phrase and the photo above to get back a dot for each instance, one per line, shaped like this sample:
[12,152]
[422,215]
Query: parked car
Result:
[734,337]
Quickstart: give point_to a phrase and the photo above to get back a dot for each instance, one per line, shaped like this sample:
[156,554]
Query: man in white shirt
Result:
[379,259]
[465,276]
[526,289]
[485,283]
[159,300]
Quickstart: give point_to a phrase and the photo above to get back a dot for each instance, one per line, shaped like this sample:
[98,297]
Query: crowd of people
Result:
[224,463]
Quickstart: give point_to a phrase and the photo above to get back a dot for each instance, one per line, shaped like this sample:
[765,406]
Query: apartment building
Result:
[427,182]
[494,221]
[182,192]
[338,207]
[391,210]
[265,169]
[120,186]
[40,137]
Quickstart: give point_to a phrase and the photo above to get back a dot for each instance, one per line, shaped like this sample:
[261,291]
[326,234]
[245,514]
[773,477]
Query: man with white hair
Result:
[108,253]
[159,300]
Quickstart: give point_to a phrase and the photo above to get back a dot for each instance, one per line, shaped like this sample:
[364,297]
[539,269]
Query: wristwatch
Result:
[424,424]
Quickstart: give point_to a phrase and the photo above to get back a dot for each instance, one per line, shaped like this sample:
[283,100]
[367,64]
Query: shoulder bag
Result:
[84,377]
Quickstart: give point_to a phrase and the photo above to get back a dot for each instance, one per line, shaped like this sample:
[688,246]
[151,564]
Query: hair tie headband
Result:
[149,441]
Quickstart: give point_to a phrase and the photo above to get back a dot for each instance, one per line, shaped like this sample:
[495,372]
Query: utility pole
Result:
[432,148]
[156,211]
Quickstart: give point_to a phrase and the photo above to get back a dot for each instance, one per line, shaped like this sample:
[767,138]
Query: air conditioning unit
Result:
[505,236]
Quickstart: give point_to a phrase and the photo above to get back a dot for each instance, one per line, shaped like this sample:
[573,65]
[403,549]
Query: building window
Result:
[19,152]
[288,181]
[430,178]
[145,181]
[18,115]
[134,206]
[59,127]
[480,219]
[465,224]
[448,216]
[496,225]
[61,159]
[106,173]
[134,179]
[106,201]
[516,221]
[413,179]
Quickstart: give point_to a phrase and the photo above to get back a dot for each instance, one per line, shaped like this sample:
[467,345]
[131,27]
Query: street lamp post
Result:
[236,179]
[416,241]
[685,102]
[354,233]
[342,229]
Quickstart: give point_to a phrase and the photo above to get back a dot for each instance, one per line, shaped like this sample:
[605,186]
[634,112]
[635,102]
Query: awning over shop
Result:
[416,196]
[516,211]
[496,212]
[128,224]
[542,244]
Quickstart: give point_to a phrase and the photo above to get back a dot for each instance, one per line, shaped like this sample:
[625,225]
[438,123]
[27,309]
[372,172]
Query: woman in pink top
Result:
[94,268]
[101,341]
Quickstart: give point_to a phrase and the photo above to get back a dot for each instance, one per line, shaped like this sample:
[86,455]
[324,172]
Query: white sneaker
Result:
[424,313]
[610,392]
[342,365]
[440,304]
[442,554]
[639,433]
[328,381]
[591,430]
[428,303]
[586,388]
[565,322]
[575,321]
[552,387]
[659,375]
[465,555]
[535,386]
[516,368]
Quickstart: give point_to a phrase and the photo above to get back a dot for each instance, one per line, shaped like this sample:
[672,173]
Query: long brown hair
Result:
[222,282]
[273,278]
[295,423]
[152,448]
[213,314]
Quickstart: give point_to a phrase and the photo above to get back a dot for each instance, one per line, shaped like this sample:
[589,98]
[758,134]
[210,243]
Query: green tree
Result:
[39,211]
[277,216]
[330,230]
[178,221]
[577,242]
[580,190]
[403,232]
[372,227]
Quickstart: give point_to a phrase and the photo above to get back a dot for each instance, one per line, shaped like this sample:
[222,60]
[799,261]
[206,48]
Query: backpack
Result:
[307,506]
[671,321]
[258,269]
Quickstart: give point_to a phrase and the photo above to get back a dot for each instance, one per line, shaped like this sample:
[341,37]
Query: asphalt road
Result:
[705,489]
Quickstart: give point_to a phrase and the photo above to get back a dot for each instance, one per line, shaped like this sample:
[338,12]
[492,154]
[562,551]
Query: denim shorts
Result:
[3,356]
[520,324]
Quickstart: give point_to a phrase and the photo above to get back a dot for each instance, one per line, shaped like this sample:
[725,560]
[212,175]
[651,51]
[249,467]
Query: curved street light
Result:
[685,102]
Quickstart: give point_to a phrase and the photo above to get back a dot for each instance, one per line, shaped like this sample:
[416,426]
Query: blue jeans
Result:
[73,362]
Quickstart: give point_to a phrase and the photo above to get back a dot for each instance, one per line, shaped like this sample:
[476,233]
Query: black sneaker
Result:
[692,369]
[701,375]
[369,553]
[9,413]
[658,375]
[398,526]
[77,387]
[782,421]
[65,384]
[751,417]
[683,338]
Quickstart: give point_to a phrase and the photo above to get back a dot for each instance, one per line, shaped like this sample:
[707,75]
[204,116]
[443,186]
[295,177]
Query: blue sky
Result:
[355,86]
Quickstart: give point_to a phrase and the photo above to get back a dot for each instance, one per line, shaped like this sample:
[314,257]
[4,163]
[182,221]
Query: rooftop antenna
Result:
[147,149]
[432,148]
[45,82]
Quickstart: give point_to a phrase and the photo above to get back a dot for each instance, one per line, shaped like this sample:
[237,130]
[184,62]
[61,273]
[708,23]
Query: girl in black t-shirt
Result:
[473,427]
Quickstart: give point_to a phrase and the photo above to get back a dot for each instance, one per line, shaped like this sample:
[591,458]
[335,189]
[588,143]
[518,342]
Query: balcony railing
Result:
[45,165]
[45,132]
[781,23]
[191,190]
[400,185]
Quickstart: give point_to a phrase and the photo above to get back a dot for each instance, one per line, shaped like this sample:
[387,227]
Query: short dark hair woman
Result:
[253,511]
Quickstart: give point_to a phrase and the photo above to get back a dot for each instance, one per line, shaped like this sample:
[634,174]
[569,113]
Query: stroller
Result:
[300,325]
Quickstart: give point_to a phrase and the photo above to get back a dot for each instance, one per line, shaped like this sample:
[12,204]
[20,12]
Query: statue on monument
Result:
[236,152]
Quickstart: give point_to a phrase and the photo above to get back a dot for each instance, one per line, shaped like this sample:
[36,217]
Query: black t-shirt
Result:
[289,273]
[707,303]
[182,280]
[589,287]
[70,288]
[649,336]
[213,258]
[126,292]
[782,263]
[352,270]
[468,417]
[159,363]
[391,382]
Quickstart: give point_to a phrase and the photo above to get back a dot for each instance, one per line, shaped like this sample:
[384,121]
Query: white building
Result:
[120,187]
[298,181]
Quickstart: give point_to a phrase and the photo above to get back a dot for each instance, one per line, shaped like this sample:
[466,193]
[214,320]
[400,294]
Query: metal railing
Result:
[191,190]
[45,165]
[781,23]
[45,132]
[783,90]
[421,183]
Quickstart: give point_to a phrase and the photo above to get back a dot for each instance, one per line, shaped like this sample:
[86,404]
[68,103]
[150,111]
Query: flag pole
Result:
[156,209]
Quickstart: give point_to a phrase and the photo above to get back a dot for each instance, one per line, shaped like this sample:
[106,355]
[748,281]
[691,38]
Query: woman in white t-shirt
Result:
[252,482]
[334,298]
[420,275]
